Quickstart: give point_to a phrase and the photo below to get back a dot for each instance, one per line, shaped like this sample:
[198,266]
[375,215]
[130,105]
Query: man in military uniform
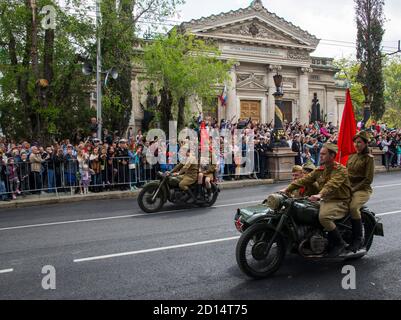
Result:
[334,194]
[361,170]
[298,173]
[187,173]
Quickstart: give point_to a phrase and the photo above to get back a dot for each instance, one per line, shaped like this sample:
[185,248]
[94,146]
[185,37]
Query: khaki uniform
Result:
[208,171]
[306,191]
[188,173]
[333,184]
[361,170]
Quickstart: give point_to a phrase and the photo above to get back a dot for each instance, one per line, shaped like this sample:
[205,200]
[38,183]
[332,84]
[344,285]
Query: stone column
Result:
[232,108]
[136,113]
[271,72]
[304,103]
[331,107]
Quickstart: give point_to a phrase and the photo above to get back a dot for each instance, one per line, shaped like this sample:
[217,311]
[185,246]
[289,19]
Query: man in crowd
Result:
[36,168]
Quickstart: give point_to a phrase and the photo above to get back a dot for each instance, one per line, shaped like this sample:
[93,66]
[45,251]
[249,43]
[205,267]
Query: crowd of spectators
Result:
[119,163]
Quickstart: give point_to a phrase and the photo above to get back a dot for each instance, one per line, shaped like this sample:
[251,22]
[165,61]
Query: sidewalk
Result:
[48,199]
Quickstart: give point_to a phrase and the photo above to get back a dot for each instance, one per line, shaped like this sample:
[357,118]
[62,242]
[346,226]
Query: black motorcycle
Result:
[156,193]
[284,225]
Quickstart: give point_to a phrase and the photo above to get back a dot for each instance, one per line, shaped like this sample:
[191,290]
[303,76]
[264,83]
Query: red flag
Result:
[347,132]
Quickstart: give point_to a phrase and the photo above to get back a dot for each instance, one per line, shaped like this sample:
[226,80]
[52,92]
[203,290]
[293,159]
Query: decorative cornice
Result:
[256,8]
[306,70]
[274,68]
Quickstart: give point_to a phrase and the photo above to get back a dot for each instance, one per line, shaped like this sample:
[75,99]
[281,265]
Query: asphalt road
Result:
[111,250]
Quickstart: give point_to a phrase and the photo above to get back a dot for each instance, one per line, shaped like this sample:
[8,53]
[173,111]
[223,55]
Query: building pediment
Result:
[253,30]
[251,82]
[254,24]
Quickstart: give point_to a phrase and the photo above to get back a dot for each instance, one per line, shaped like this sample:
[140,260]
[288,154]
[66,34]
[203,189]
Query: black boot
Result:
[199,195]
[190,197]
[356,236]
[337,243]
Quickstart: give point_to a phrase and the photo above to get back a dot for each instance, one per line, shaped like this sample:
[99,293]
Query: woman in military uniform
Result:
[206,175]
[361,169]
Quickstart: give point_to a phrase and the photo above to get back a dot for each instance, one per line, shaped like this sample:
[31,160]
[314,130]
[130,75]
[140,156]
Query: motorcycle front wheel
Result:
[254,257]
[145,199]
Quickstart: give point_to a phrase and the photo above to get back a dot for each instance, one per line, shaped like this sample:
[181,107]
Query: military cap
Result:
[363,135]
[331,147]
[296,169]
[309,167]
[123,141]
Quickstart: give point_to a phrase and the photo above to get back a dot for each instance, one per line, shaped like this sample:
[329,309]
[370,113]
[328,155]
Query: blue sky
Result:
[326,19]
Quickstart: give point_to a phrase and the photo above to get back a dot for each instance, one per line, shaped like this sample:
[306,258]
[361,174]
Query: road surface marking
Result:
[117,217]
[6,270]
[69,222]
[387,186]
[388,213]
[124,254]
[144,215]
[131,253]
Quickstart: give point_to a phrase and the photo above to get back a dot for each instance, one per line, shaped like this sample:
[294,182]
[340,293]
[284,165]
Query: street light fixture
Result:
[367,102]
[88,69]
[278,130]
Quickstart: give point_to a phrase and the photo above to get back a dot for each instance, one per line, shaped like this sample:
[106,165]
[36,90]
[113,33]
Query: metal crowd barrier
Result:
[69,177]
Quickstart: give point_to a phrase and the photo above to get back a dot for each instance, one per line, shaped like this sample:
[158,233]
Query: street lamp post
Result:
[278,130]
[366,109]
[98,74]
[87,69]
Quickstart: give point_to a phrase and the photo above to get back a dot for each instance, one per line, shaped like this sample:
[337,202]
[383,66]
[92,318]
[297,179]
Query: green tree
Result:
[392,94]
[121,25]
[349,74]
[183,66]
[44,93]
[370,21]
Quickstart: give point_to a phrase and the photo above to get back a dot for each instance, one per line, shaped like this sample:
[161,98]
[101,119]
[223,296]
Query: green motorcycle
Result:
[283,225]
[156,194]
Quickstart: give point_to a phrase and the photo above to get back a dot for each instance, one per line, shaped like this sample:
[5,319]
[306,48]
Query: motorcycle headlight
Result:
[275,201]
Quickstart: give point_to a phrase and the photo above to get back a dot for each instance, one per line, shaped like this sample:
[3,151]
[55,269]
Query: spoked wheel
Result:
[212,197]
[147,200]
[254,256]
[367,233]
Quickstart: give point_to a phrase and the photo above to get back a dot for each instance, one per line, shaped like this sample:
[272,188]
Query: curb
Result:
[116,195]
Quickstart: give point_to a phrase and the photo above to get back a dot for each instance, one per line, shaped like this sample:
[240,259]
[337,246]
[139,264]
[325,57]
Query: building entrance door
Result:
[250,109]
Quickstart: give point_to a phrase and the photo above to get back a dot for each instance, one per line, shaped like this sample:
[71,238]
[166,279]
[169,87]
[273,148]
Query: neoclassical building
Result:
[263,44]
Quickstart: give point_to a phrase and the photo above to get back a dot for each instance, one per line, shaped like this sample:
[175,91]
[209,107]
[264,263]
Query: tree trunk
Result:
[165,107]
[181,114]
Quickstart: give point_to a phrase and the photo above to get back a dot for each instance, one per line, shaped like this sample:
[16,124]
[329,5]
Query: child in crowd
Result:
[12,172]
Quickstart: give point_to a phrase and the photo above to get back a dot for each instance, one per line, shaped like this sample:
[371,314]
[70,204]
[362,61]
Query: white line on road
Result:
[388,213]
[6,270]
[387,186]
[142,215]
[124,254]
[117,217]
[69,222]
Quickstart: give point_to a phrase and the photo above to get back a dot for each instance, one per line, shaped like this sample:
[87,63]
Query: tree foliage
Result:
[29,53]
[183,66]
[349,69]
[370,21]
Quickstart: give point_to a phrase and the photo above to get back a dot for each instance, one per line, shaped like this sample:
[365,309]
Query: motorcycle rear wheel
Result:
[255,261]
[213,197]
[145,199]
